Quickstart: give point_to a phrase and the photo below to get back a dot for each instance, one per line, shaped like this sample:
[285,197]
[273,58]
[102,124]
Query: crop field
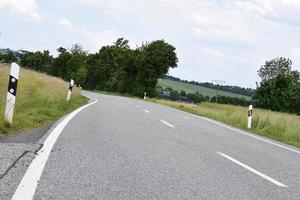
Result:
[190,88]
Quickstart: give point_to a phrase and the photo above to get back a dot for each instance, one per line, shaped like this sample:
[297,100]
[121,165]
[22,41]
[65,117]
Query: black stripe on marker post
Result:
[12,85]
[249,113]
[70,87]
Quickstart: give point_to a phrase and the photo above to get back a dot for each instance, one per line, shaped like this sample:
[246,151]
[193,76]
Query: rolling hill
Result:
[190,88]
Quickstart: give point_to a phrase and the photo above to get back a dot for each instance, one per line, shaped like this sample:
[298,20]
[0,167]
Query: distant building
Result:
[165,93]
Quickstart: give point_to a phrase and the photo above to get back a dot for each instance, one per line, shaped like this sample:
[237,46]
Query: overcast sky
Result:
[214,39]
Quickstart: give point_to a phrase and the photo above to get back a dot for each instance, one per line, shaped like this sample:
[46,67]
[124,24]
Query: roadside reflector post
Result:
[70,90]
[11,93]
[250,116]
[145,95]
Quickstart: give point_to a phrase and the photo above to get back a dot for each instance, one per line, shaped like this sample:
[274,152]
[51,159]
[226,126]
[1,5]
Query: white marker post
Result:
[250,116]
[70,90]
[11,93]
[145,95]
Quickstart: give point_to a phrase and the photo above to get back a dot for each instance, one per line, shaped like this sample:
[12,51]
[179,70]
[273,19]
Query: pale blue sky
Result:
[215,39]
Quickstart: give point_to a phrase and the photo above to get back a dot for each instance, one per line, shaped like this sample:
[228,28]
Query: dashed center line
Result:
[138,106]
[147,111]
[129,102]
[253,170]
[168,124]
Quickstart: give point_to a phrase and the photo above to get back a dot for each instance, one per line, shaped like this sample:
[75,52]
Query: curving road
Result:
[122,148]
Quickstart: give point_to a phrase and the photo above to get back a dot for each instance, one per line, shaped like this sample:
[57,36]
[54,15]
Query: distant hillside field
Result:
[40,99]
[189,88]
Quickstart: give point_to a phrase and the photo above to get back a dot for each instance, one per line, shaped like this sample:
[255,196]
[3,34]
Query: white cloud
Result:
[27,8]
[65,23]
[218,56]
[235,34]
[221,26]
[295,56]
[278,9]
[95,37]
[295,52]
[213,53]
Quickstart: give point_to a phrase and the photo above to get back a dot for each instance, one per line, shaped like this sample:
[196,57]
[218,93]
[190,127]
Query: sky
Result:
[215,39]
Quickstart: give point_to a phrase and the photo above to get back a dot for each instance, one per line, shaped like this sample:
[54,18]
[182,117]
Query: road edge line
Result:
[27,186]
[272,180]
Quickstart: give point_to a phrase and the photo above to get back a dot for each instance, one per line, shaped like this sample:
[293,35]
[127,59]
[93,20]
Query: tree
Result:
[279,87]
[59,67]
[114,67]
[153,62]
[196,97]
[183,93]
[71,64]
[8,58]
[39,61]
[275,67]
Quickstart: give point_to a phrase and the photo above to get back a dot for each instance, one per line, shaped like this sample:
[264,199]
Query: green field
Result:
[279,126]
[40,99]
[189,88]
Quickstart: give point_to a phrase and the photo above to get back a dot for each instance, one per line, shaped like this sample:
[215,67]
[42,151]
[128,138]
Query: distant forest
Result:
[227,88]
[114,68]
[119,68]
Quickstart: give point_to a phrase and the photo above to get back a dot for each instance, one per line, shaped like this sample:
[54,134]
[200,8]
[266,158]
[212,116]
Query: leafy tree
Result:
[231,100]
[114,67]
[196,97]
[39,61]
[275,67]
[174,95]
[8,58]
[71,64]
[183,93]
[59,67]
[153,62]
[279,87]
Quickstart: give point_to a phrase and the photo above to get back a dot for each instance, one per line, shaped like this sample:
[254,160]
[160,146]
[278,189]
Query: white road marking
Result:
[129,102]
[138,106]
[250,135]
[168,124]
[30,180]
[253,170]
[240,131]
[147,111]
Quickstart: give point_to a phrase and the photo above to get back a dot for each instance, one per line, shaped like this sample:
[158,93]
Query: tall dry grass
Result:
[279,126]
[40,99]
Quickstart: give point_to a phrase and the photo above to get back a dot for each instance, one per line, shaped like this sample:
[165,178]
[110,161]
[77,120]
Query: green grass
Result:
[190,88]
[282,127]
[40,99]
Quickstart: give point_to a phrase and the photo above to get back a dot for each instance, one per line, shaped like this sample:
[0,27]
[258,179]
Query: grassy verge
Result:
[40,99]
[279,126]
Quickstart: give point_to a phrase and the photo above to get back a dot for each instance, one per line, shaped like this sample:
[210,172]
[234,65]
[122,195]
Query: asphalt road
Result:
[122,148]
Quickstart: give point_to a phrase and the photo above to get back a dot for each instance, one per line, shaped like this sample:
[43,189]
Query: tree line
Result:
[228,88]
[119,68]
[174,95]
[116,67]
[278,90]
